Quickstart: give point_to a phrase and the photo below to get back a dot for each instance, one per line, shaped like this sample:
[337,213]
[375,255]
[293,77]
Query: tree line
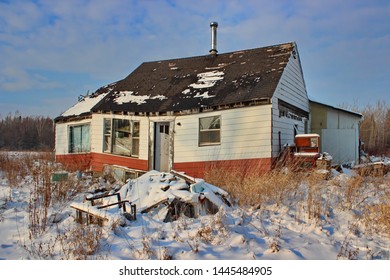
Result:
[375,129]
[26,133]
[37,133]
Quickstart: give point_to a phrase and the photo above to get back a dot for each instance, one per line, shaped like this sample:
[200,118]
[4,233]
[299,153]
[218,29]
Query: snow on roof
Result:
[207,79]
[128,96]
[228,79]
[203,95]
[84,105]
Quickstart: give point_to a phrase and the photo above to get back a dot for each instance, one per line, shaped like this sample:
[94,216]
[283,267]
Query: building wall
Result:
[61,135]
[96,159]
[341,144]
[339,132]
[73,162]
[245,141]
[97,133]
[292,90]
[245,133]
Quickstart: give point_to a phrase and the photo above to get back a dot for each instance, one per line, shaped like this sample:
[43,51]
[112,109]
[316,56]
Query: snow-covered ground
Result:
[269,232]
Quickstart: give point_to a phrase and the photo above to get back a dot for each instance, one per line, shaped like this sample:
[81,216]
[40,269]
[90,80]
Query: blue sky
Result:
[53,51]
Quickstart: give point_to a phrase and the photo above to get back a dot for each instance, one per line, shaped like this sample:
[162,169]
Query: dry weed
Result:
[275,242]
[80,242]
[165,254]
[377,217]
[256,188]
[147,252]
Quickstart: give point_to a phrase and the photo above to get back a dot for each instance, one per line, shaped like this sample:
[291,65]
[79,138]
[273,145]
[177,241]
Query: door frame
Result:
[154,127]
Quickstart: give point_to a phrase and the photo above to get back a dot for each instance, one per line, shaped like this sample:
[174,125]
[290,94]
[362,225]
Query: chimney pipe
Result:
[213,26]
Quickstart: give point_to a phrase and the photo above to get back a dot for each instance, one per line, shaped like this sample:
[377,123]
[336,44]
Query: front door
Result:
[161,146]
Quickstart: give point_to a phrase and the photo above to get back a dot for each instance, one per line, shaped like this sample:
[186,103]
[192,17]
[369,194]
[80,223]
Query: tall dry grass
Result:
[254,188]
[16,165]
[36,169]
[313,196]
[48,199]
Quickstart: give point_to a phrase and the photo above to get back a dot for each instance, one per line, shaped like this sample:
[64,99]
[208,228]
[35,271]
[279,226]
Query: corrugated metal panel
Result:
[341,144]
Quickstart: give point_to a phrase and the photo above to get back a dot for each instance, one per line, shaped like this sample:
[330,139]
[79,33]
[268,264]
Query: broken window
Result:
[121,137]
[79,139]
[290,111]
[121,140]
[210,131]
[107,135]
[135,139]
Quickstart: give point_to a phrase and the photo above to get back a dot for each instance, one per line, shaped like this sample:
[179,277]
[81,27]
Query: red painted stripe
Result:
[99,160]
[198,169]
[74,162]
[96,162]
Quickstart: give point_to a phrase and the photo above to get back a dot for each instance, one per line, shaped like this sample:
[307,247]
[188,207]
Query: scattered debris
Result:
[166,196]
[372,168]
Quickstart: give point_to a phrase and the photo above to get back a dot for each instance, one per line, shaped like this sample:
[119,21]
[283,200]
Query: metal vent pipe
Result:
[213,26]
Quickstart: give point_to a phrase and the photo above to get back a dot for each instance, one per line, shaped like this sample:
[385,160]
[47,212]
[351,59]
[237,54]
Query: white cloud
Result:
[16,79]
[106,40]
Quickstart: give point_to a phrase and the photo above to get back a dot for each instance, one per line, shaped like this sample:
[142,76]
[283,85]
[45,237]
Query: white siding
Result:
[62,139]
[286,128]
[98,126]
[341,136]
[291,89]
[341,144]
[245,134]
[341,120]
[97,133]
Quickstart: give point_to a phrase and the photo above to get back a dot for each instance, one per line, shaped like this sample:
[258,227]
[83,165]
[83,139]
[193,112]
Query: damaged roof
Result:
[196,82]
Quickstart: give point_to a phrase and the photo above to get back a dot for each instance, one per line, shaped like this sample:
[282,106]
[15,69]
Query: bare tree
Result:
[26,133]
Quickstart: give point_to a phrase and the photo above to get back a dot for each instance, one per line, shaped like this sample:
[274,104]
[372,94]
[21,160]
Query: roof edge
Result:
[293,43]
[336,108]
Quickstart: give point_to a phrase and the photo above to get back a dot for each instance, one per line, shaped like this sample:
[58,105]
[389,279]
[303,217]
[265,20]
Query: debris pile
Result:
[165,196]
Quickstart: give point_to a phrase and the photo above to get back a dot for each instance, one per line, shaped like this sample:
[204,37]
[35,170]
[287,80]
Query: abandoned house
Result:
[230,110]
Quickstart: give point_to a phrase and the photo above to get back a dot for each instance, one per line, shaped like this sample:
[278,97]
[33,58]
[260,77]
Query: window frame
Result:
[200,131]
[81,148]
[109,137]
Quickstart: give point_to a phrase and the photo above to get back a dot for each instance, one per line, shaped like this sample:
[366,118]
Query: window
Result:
[290,111]
[121,141]
[210,131]
[295,130]
[79,139]
[121,137]
[135,139]
[107,136]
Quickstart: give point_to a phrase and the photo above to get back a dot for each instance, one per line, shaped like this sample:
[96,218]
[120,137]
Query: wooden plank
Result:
[119,203]
[89,216]
[146,210]
[187,178]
